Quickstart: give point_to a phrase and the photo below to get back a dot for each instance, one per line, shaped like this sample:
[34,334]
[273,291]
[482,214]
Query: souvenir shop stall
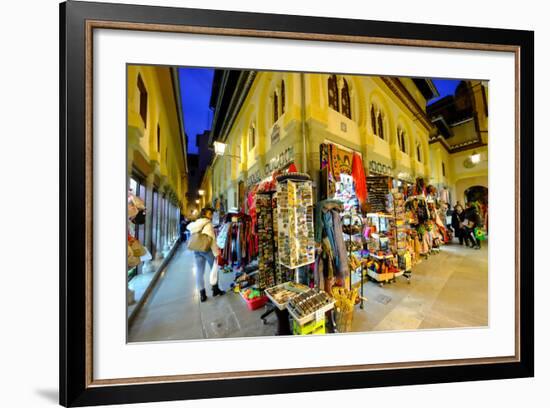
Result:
[425,218]
[282,220]
[307,261]
[137,253]
[297,297]
[236,241]
[311,246]
[340,223]
[385,231]
[404,224]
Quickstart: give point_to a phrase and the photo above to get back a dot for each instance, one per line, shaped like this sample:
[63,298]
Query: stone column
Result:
[166,223]
[172,232]
[160,219]
[149,184]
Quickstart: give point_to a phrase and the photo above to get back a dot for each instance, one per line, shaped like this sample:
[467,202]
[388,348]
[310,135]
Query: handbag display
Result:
[199,242]
[139,218]
[137,248]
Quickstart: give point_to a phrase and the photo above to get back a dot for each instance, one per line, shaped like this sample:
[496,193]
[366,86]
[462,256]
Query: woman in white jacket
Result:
[204,225]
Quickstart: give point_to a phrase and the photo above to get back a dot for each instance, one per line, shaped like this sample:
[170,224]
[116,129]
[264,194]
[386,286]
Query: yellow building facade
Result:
[451,156]
[285,117]
[157,165]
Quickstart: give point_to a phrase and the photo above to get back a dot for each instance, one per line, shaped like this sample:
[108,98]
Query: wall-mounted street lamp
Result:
[197,201]
[201,192]
[475,157]
[220,149]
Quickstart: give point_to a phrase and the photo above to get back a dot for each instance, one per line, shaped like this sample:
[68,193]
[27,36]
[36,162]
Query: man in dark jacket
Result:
[456,222]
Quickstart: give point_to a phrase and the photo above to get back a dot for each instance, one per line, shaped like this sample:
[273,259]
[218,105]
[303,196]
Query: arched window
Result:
[333,93]
[373,119]
[380,126]
[282,97]
[251,137]
[418,152]
[346,102]
[143,100]
[275,108]
[401,137]
[158,137]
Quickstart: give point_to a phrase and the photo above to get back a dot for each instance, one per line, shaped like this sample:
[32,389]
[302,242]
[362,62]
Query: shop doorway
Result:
[477,194]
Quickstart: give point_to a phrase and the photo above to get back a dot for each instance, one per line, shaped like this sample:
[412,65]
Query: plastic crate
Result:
[314,327]
[255,303]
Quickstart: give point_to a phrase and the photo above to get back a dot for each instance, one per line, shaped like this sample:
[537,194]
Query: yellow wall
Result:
[325,124]
[459,176]
[164,165]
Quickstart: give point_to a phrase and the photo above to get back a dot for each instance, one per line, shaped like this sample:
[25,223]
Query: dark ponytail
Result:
[206,210]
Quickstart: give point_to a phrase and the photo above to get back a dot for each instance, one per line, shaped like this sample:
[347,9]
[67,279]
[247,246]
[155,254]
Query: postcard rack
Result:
[296,246]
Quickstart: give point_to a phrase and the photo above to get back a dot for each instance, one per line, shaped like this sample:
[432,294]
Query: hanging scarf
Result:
[358,174]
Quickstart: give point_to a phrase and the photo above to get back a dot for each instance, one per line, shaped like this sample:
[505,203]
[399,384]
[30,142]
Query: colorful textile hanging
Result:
[325,159]
[358,174]
[334,162]
[345,158]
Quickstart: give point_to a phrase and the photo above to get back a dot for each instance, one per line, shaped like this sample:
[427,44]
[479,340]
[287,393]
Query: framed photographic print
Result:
[256,204]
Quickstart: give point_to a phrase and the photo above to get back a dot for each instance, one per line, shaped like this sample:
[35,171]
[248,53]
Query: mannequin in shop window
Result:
[203,225]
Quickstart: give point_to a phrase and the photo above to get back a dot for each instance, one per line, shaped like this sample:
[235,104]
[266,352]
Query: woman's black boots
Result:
[216,290]
[203,295]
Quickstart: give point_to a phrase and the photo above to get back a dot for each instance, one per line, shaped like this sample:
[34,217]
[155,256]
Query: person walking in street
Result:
[183,227]
[456,222]
[203,243]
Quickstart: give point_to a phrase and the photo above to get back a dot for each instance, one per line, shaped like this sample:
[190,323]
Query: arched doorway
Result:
[480,196]
[477,194]
[463,184]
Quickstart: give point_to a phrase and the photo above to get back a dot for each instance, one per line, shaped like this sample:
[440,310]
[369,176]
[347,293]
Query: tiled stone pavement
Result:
[446,290]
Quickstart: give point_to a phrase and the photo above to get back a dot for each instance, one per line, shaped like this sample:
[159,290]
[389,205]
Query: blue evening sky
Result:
[195,89]
[445,87]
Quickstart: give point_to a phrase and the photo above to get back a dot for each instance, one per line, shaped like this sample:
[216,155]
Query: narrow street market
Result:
[304,204]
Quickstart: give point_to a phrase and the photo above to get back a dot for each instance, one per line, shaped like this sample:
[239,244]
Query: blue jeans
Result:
[200,259]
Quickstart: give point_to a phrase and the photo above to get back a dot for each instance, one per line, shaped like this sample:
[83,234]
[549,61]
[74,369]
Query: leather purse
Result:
[199,242]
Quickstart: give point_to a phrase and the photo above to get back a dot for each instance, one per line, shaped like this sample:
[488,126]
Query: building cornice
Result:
[177,97]
[407,99]
[244,84]
[458,148]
